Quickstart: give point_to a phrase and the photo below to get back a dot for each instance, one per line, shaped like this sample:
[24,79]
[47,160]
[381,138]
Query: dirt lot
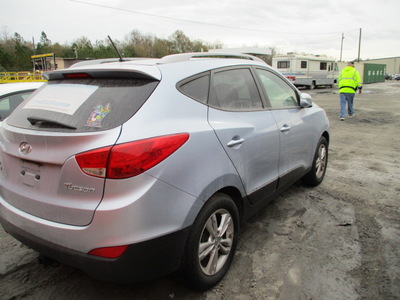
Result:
[338,241]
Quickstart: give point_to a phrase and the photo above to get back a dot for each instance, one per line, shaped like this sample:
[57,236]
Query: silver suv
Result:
[134,169]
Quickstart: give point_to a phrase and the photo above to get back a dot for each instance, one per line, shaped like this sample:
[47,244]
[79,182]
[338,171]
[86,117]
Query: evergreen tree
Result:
[6,62]
[23,54]
[44,46]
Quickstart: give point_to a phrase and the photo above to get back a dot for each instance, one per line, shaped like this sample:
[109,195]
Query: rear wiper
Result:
[48,123]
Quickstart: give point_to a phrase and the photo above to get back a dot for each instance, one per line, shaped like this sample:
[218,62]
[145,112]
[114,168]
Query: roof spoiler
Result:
[150,74]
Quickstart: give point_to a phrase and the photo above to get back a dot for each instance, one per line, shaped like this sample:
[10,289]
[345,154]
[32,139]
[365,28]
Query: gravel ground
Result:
[337,241]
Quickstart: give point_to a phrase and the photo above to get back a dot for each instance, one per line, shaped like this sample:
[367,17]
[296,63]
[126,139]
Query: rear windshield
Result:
[82,105]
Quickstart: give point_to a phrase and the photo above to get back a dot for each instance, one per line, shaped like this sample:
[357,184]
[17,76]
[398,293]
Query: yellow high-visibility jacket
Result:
[348,80]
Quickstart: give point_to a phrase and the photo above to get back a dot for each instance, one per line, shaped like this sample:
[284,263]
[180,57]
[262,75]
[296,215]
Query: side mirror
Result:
[305,100]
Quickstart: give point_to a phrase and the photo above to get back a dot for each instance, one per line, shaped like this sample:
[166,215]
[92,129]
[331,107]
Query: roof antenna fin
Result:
[116,50]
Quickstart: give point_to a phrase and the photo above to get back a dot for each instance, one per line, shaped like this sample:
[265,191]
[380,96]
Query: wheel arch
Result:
[325,134]
[236,196]
[230,185]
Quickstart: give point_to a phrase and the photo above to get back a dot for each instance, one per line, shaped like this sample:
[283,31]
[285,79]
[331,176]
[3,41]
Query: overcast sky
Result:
[311,26]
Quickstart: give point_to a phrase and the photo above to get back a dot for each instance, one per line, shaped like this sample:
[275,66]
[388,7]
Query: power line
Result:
[196,22]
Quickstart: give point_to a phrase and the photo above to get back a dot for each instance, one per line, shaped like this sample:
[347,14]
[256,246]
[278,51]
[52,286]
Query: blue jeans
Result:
[349,98]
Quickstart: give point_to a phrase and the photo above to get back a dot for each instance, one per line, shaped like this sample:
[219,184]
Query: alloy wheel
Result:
[321,161]
[216,242]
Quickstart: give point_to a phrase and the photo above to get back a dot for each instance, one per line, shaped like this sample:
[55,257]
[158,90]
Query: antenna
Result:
[116,50]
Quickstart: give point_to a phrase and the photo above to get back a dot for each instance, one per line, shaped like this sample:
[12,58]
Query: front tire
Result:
[212,243]
[320,163]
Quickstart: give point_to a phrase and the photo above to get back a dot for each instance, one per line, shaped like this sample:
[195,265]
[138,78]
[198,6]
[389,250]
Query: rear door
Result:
[247,131]
[39,141]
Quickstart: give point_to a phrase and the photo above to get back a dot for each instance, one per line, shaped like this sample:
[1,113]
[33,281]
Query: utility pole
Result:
[359,45]
[34,47]
[34,53]
[341,47]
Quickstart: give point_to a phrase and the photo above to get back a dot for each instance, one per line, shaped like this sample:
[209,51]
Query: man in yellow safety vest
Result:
[349,81]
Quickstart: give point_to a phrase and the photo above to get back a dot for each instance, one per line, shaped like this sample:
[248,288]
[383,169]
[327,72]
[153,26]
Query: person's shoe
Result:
[341,119]
[352,115]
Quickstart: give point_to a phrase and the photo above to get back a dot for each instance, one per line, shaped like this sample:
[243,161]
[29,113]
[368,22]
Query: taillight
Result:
[94,162]
[291,77]
[129,159]
[109,252]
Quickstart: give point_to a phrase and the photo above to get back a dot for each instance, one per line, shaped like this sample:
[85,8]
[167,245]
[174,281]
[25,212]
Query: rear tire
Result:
[320,163]
[211,244]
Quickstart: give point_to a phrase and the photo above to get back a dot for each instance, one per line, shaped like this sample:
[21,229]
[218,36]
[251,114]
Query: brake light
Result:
[129,159]
[76,75]
[109,252]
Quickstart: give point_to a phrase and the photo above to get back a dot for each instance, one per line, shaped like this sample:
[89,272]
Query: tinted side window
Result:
[279,93]
[235,90]
[82,105]
[196,88]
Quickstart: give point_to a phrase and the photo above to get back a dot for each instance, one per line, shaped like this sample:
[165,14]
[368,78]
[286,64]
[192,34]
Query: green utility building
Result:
[374,73]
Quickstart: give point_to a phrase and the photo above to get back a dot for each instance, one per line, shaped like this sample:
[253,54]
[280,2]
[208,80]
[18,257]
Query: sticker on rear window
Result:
[62,98]
[98,115]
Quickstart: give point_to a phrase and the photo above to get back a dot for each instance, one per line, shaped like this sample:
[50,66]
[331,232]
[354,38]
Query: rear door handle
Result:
[235,141]
[285,128]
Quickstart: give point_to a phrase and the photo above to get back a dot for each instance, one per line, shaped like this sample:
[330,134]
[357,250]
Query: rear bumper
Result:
[141,261]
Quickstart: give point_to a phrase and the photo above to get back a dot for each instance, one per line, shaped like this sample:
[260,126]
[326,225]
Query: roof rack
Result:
[172,58]
[104,61]
[193,55]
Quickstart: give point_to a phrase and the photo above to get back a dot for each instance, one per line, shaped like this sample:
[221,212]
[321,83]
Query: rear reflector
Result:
[129,159]
[109,252]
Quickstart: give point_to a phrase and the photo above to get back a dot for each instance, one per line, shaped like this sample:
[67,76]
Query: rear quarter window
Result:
[196,88]
[83,105]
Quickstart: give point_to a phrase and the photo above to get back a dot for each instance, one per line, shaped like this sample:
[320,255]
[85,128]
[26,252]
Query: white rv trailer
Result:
[307,71]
